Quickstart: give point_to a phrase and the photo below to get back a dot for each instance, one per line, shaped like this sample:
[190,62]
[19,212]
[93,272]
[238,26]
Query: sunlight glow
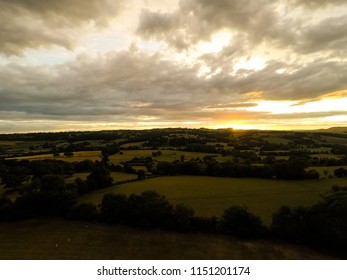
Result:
[216,44]
[252,63]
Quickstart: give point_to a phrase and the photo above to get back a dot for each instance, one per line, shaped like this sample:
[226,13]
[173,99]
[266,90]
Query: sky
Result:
[72,65]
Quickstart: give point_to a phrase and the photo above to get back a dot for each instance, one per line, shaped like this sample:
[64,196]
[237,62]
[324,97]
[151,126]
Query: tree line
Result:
[292,169]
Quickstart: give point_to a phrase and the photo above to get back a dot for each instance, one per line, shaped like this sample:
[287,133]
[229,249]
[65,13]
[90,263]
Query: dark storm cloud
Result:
[34,23]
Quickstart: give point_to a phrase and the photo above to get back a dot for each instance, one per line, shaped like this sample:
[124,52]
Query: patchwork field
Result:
[126,155]
[59,239]
[209,196]
[166,155]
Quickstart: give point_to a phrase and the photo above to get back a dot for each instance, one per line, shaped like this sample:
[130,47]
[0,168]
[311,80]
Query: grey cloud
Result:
[311,115]
[309,81]
[257,21]
[329,34]
[136,86]
[34,23]
[156,22]
[319,3]
[197,20]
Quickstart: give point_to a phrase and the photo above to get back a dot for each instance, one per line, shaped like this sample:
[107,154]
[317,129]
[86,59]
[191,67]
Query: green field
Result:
[209,196]
[59,239]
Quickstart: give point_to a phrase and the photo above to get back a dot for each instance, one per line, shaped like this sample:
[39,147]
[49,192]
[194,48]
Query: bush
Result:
[113,208]
[6,209]
[99,178]
[182,218]
[204,224]
[84,212]
[148,210]
[324,225]
[238,221]
[340,172]
[291,224]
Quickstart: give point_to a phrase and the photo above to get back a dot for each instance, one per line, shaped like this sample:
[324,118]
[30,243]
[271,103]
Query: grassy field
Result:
[209,196]
[325,156]
[117,177]
[8,143]
[60,239]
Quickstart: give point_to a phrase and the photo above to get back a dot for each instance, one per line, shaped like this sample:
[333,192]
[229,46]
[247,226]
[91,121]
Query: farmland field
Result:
[209,196]
[60,239]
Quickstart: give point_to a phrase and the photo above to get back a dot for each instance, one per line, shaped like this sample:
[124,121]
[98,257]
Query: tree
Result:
[15,176]
[323,225]
[68,154]
[238,221]
[105,158]
[99,178]
[84,211]
[45,196]
[148,210]
[340,172]
[182,218]
[140,174]
[113,208]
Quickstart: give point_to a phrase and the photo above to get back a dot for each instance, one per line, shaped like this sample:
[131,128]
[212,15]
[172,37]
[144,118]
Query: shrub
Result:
[84,211]
[238,221]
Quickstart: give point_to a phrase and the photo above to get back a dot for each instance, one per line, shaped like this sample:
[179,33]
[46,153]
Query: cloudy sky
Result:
[107,64]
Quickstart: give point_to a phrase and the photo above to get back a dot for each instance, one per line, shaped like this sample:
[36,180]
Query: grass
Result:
[209,196]
[60,239]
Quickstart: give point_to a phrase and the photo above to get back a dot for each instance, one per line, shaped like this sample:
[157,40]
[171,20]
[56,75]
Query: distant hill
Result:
[338,129]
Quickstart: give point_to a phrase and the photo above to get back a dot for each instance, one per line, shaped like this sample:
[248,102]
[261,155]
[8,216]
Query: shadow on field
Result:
[61,239]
